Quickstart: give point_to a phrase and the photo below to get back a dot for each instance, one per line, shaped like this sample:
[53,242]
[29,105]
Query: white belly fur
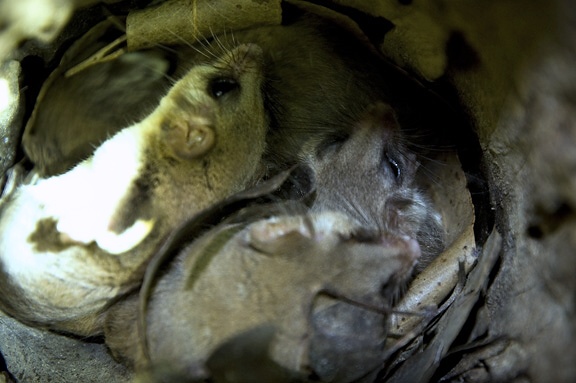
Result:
[94,189]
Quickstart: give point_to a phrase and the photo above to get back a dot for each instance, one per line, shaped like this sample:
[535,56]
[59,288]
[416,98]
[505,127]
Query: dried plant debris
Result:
[422,365]
[433,285]
[175,21]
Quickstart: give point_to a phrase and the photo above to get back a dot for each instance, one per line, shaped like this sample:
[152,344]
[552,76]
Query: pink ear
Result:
[278,237]
[189,140]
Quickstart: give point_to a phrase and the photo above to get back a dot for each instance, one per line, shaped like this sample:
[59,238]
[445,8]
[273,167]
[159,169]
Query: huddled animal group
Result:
[271,198]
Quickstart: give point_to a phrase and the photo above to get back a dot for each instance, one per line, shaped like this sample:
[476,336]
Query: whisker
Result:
[363,213]
[219,42]
[179,37]
[208,47]
[186,42]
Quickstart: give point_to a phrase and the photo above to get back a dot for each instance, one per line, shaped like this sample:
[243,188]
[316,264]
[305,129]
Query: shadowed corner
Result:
[246,358]
[5,376]
[348,340]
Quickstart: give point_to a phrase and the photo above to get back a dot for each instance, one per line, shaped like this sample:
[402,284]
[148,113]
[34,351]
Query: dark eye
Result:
[393,165]
[220,86]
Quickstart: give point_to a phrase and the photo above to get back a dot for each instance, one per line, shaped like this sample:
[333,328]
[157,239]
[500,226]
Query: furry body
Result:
[286,272]
[72,243]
